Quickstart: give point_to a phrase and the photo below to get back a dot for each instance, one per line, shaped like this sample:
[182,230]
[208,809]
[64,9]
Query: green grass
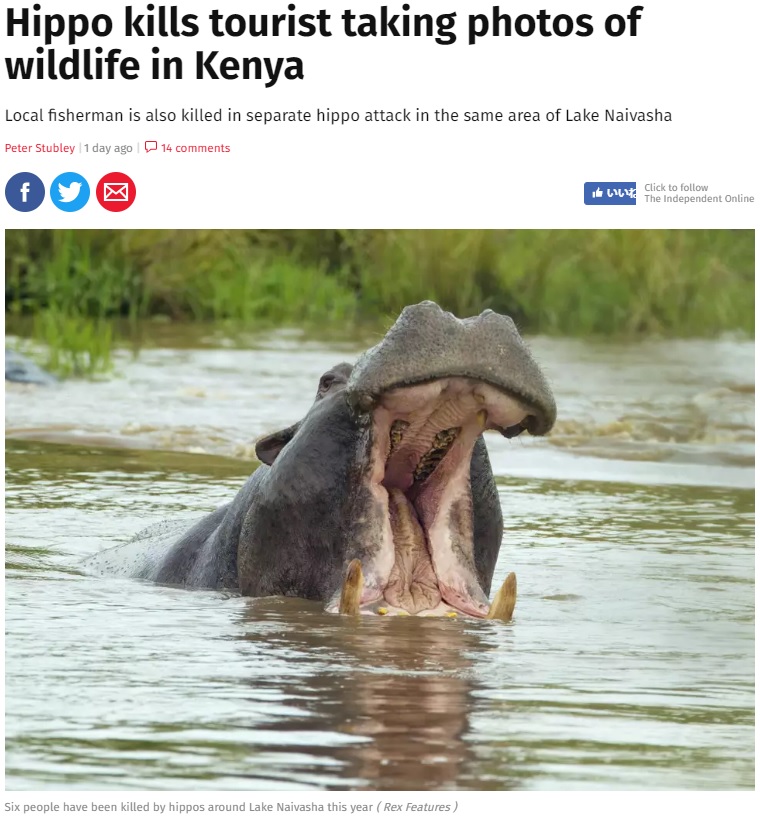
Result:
[75,345]
[72,292]
[560,282]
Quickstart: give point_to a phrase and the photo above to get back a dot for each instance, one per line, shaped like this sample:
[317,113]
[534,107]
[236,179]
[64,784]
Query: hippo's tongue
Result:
[413,585]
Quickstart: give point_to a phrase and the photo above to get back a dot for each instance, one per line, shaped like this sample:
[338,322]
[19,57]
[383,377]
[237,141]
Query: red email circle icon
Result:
[116,192]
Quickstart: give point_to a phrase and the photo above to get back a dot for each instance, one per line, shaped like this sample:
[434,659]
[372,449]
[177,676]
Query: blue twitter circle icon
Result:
[69,192]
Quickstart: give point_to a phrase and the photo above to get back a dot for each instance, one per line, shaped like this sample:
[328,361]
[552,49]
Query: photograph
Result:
[401,510]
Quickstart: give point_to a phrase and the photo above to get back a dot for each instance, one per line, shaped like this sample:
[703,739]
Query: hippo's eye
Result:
[326,381]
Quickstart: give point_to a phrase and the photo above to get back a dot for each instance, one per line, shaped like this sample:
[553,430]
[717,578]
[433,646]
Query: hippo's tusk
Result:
[503,604]
[351,592]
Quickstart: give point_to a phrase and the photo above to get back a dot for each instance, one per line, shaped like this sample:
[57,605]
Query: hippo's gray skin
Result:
[21,370]
[388,467]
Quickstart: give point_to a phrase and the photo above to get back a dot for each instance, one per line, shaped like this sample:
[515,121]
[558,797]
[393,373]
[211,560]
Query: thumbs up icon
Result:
[597,194]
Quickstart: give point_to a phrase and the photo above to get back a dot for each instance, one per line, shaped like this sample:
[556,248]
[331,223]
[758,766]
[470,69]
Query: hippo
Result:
[381,499]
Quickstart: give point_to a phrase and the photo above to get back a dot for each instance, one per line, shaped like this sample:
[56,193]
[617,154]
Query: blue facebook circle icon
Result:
[69,192]
[25,192]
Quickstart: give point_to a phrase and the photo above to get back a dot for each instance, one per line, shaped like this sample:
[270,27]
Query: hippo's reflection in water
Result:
[401,688]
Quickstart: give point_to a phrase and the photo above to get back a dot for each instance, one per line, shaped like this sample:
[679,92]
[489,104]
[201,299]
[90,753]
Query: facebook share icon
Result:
[25,192]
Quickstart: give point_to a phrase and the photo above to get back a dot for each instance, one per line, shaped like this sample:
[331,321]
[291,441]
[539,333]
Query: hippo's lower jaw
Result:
[422,440]
[349,603]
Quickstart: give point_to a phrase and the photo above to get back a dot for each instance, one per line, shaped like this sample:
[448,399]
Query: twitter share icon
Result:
[69,192]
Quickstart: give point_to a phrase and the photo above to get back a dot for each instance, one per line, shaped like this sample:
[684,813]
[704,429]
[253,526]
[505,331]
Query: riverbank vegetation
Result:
[72,284]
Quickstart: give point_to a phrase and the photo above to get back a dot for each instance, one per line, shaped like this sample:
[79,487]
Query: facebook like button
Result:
[609,193]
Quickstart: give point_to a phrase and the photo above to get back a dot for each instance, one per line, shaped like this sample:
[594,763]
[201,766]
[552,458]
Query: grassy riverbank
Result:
[568,282]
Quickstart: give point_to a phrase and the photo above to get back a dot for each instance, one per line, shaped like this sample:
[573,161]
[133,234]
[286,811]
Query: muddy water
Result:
[629,664]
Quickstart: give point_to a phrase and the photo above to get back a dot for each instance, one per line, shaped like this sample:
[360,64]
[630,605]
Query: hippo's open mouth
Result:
[422,441]
[429,389]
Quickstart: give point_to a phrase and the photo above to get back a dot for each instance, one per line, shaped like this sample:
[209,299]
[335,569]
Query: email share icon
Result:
[116,192]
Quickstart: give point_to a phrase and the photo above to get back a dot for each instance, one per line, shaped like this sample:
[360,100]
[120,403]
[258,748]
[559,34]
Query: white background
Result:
[695,59]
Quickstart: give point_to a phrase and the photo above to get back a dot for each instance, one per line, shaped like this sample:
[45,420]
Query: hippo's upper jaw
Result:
[430,388]
[427,344]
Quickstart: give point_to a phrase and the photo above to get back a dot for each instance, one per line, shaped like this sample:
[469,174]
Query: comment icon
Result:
[151,146]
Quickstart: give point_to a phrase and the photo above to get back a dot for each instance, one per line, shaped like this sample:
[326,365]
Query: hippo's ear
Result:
[267,448]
